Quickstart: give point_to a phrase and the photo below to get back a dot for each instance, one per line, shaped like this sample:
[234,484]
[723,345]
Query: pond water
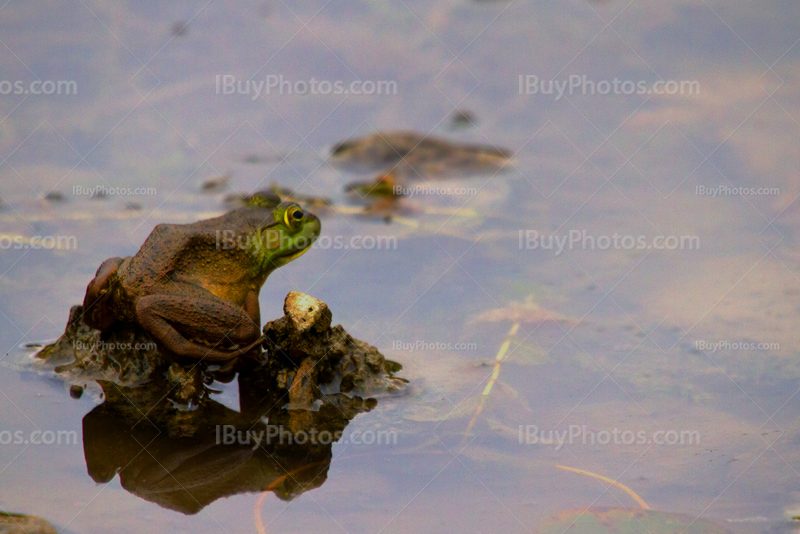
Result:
[644,242]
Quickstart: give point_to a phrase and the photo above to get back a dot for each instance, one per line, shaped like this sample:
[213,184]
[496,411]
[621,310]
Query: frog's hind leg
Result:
[177,319]
[97,312]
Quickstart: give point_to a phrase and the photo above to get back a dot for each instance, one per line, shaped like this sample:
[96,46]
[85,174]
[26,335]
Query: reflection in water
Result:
[184,460]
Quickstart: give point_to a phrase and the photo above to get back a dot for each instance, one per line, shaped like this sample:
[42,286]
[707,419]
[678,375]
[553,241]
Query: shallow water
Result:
[699,338]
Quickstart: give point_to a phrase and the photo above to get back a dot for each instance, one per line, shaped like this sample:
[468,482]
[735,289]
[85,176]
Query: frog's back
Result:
[155,260]
[175,252]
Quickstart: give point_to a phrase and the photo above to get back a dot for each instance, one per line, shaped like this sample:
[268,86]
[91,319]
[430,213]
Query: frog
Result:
[194,287]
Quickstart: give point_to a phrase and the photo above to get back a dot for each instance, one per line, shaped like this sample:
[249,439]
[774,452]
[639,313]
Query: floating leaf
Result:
[10,522]
[627,521]
[443,410]
[526,353]
[523,312]
[503,430]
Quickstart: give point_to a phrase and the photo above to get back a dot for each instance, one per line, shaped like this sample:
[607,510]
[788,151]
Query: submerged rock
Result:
[414,156]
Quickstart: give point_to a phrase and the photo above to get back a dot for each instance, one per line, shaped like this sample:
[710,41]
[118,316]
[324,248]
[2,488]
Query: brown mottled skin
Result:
[193,287]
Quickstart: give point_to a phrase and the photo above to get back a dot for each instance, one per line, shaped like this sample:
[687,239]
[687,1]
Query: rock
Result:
[186,383]
[307,313]
[125,355]
[306,354]
[304,330]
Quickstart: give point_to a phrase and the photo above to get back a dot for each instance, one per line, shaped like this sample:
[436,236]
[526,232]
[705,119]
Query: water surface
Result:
[699,338]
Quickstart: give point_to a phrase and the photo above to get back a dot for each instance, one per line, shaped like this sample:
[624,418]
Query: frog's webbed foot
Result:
[175,320]
[97,312]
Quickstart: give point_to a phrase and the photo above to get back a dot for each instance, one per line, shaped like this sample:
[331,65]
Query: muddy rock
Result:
[309,356]
[126,355]
[308,362]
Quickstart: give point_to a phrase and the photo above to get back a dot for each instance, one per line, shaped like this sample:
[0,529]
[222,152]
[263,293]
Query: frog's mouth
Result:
[291,255]
[296,255]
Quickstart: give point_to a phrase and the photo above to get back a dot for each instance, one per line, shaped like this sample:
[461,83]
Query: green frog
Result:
[194,287]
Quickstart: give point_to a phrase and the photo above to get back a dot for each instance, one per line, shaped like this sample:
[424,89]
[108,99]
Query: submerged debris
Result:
[217,183]
[385,186]
[462,119]
[179,29]
[54,196]
[321,205]
[410,155]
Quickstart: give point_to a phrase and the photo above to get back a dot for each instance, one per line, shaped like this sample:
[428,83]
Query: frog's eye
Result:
[293,216]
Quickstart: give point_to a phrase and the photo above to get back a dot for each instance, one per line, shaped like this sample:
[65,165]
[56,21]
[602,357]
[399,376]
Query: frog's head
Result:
[264,199]
[287,233]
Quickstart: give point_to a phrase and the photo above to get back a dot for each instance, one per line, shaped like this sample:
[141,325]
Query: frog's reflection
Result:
[185,460]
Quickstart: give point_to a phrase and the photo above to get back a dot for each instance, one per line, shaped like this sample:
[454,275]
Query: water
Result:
[696,336]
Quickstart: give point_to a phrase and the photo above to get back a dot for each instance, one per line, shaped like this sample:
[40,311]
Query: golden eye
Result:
[293,216]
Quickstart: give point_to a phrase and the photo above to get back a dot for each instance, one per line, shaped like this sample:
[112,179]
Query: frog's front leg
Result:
[97,311]
[178,319]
